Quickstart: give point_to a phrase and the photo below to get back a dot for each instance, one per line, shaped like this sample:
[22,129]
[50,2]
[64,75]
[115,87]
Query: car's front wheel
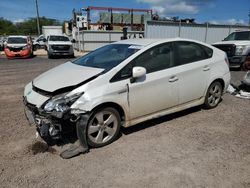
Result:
[103,127]
[213,95]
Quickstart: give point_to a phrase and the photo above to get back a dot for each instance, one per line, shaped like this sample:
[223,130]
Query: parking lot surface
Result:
[193,148]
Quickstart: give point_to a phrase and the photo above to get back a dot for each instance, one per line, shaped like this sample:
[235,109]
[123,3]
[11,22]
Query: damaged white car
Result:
[123,84]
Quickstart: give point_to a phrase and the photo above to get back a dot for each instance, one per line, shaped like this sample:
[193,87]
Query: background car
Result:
[59,45]
[18,47]
[126,83]
[237,47]
[2,40]
[39,42]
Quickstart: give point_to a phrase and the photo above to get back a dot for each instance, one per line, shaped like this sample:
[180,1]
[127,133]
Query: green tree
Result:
[27,27]
[7,27]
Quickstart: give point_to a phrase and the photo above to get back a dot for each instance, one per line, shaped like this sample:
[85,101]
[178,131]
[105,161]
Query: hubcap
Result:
[214,95]
[102,127]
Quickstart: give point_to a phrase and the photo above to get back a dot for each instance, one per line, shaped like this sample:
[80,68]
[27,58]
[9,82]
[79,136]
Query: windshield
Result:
[58,38]
[239,36]
[108,56]
[17,40]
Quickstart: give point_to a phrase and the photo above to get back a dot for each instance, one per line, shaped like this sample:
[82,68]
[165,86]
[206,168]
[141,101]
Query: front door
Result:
[159,89]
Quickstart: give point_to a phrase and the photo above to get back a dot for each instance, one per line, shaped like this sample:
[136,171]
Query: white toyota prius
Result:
[123,84]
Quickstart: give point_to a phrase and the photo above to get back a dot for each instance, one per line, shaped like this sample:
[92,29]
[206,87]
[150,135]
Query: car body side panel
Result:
[165,112]
[153,94]
[95,95]
[193,80]
[219,69]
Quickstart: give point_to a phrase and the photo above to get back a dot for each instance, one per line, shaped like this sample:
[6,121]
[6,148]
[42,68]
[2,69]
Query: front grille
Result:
[228,48]
[60,47]
[15,49]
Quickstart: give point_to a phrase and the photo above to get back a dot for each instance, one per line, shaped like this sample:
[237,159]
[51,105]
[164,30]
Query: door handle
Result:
[206,68]
[173,79]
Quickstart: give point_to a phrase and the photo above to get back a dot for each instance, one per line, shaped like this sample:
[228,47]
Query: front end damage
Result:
[54,125]
[51,126]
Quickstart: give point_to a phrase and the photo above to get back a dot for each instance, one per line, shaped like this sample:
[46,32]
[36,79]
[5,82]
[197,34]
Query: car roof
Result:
[59,35]
[21,36]
[146,42]
[141,42]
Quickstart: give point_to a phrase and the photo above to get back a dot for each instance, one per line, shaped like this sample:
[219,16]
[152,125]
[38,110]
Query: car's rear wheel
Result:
[213,95]
[103,127]
[246,64]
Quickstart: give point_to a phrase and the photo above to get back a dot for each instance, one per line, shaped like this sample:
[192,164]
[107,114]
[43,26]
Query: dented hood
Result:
[64,76]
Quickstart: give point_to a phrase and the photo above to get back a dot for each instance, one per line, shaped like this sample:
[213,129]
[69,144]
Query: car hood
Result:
[236,42]
[17,45]
[67,75]
[59,42]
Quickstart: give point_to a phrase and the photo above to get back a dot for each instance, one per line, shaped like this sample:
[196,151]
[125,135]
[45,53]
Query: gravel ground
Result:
[193,148]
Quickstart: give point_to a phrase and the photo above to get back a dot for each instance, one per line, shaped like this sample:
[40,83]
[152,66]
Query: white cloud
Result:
[18,20]
[164,7]
[231,21]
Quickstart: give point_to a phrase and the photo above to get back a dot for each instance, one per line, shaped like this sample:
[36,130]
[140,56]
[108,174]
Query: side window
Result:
[188,52]
[209,51]
[155,59]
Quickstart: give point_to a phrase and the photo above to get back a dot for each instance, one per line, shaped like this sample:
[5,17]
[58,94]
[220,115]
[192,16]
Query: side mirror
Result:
[137,73]
[73,41]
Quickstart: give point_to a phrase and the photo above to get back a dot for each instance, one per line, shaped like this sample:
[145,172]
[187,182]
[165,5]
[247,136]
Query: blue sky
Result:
[215,11]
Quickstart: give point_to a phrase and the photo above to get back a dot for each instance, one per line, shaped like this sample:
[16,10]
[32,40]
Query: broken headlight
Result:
[58,105]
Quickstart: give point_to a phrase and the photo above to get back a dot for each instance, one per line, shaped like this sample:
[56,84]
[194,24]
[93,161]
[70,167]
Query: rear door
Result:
[192,61]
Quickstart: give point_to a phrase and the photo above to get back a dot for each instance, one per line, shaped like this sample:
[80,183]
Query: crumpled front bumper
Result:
[50,129]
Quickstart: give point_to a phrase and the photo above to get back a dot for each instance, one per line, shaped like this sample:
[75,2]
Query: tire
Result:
[213,95]
[36,47]
[246,64]
[103,127]
[50,56]
[31,54]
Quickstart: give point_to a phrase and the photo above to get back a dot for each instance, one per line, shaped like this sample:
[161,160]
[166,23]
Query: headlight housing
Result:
[58,105]
[240,49]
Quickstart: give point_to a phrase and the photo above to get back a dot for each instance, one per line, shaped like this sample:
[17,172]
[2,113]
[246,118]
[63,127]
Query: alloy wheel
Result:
[103,127]
[214,95]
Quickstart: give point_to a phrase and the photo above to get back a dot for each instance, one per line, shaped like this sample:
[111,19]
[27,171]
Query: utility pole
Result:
[249,17]
[37,19]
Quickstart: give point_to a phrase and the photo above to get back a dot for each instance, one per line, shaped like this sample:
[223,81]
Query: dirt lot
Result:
[194,148]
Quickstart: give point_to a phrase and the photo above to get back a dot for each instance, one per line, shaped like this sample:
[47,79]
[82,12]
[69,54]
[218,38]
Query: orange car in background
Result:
[18,47]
